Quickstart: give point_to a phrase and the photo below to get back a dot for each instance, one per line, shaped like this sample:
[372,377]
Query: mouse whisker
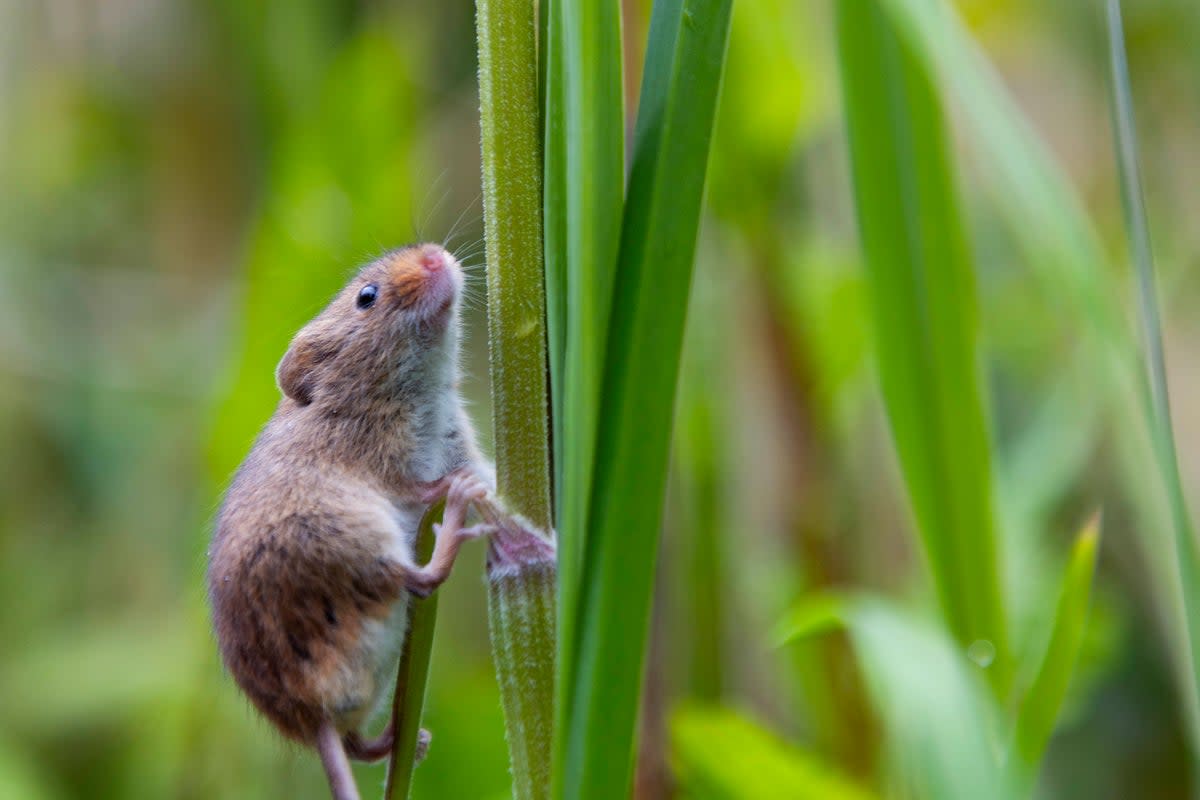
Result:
[461,216]
[427,217]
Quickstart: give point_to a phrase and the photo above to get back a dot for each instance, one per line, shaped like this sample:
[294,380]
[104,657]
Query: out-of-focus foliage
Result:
[721,754]
[185,182]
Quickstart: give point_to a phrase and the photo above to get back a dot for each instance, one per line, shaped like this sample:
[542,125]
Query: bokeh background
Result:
[183,183]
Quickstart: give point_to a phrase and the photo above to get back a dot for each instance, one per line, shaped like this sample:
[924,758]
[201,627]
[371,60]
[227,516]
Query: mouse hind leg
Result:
[380,747]
[337,765]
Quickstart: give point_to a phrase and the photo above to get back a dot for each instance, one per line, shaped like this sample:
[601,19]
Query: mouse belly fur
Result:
[310,607]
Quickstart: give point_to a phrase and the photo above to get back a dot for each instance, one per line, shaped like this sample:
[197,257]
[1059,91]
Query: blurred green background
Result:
[183,184]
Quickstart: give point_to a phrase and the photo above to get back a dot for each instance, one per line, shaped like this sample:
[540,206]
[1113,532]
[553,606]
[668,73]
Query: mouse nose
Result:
[432,258]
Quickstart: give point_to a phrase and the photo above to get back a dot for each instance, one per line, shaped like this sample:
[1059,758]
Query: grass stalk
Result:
[413,672]
[521,567]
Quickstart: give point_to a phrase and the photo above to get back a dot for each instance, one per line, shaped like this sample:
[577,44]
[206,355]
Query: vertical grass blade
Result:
[1059,241]
[413,672]
[684,63]
[925,318]
[1039,710]
[585,180]
[1156,400]
[554,219]
[521,579]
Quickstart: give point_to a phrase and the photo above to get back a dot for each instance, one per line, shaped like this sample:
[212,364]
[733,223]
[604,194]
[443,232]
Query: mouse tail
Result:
[337,765]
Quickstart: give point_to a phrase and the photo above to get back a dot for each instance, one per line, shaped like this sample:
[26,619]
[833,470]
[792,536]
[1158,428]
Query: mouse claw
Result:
[424,737]
[478,531]
[432,491]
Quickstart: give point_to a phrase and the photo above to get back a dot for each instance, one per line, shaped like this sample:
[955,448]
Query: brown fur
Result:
[311,557]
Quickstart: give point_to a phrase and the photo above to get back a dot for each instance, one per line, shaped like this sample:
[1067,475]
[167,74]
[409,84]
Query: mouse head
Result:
[384,331]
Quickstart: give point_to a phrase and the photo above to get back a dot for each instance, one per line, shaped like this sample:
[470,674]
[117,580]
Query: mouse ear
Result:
[296,374]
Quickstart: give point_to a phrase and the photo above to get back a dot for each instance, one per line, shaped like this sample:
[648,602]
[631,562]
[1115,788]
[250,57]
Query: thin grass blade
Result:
[585,175]
[1155,396]
[925,319]
[413,672]
[1041,706]
[677,106]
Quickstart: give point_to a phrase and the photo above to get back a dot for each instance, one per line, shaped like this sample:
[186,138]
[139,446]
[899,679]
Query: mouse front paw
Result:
[465,488]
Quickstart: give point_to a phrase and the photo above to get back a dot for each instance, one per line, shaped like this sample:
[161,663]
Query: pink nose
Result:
[433,259]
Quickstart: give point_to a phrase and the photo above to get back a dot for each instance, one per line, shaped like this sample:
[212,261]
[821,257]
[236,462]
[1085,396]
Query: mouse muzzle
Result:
[428,280]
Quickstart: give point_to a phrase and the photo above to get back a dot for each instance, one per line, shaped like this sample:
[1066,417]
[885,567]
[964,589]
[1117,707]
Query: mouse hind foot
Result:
[380,747]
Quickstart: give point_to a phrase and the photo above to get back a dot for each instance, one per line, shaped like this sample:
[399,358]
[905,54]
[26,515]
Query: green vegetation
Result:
[815,331]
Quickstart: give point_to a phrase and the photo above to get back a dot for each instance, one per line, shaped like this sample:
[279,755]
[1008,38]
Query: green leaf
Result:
[925,319]
[939,722]
[1059,241]
[1040,708]
[658,238]
[585,168]
[720,755]
[1156,401]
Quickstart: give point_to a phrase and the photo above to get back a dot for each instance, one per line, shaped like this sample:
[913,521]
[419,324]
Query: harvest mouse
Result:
[312,561]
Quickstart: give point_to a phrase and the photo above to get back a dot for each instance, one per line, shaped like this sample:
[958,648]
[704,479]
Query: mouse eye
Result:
[367,295]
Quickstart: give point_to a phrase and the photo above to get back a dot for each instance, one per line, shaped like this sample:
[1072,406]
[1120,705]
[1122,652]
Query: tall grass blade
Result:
[1040,708]
[1156,400]
[585,175]
[554,219]
[925,318]
[1059,241]
[413,673]
[677,106]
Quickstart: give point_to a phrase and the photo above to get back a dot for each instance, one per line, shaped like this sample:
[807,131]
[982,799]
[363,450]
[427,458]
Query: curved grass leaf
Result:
[939,721]
[676,110]
[1040,708]
[924,311]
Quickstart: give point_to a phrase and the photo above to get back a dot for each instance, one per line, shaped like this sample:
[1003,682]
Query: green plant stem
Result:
[521,567]
[512,205]
[521,604]
[413,672]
